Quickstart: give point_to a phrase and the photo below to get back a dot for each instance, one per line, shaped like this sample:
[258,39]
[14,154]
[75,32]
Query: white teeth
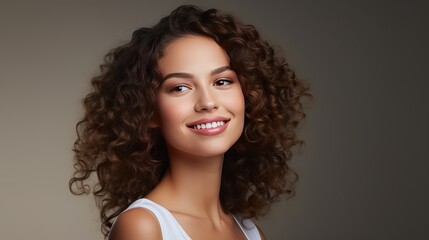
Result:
[209,125]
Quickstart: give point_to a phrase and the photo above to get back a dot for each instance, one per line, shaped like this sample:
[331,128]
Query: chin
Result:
[210,151]
[203,149]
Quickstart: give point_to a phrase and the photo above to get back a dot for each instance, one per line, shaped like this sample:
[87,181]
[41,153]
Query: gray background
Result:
[364,168]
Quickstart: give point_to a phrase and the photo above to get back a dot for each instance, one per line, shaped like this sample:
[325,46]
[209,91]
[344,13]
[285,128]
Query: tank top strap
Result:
[248,228]
[170,228]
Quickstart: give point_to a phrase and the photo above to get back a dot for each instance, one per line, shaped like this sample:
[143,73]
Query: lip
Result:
[207,120]
[209,131]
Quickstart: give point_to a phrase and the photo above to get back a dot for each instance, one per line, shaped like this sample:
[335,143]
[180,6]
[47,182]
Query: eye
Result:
[223,82]
[179,88]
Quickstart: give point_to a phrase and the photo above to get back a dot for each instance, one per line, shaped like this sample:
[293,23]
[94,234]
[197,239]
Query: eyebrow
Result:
[188,75]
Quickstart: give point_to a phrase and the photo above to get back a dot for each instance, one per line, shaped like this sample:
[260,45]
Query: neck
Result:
[192,183]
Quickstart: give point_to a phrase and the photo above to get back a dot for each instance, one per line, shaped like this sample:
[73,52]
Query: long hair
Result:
[129,157]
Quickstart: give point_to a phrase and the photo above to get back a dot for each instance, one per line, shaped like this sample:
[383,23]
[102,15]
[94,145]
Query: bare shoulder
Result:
[136,224]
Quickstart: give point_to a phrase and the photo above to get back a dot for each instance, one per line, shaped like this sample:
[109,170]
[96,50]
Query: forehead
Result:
[192,53]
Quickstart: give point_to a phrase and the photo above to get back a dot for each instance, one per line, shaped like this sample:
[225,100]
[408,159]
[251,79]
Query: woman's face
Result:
[200,102]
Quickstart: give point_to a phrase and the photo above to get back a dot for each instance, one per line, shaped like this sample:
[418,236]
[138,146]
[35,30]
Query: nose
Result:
[206,101]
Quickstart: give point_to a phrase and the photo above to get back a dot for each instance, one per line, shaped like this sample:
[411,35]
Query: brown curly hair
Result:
[129,157]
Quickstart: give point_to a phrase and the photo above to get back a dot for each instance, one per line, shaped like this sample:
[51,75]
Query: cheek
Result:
[168,117]
[237,101]
[172,111]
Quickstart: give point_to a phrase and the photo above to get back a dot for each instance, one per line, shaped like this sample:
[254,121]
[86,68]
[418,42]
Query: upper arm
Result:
[136,224]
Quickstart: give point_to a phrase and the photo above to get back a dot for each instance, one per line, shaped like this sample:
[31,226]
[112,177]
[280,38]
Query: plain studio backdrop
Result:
[364,168]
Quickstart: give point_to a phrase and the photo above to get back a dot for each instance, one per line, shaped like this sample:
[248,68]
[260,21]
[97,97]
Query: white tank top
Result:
[171,229]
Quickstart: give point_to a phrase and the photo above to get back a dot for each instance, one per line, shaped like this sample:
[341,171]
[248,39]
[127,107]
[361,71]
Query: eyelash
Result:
[225,81]
[177,88]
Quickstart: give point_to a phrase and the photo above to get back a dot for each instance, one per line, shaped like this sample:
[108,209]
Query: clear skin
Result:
[198,87]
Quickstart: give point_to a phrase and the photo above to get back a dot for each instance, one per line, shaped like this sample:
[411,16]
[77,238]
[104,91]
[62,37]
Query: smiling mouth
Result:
[209,125]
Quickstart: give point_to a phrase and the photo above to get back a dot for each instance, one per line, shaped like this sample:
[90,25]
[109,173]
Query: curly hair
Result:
[129,157]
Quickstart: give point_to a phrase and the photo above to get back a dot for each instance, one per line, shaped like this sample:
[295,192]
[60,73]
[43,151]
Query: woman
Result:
[189,128]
